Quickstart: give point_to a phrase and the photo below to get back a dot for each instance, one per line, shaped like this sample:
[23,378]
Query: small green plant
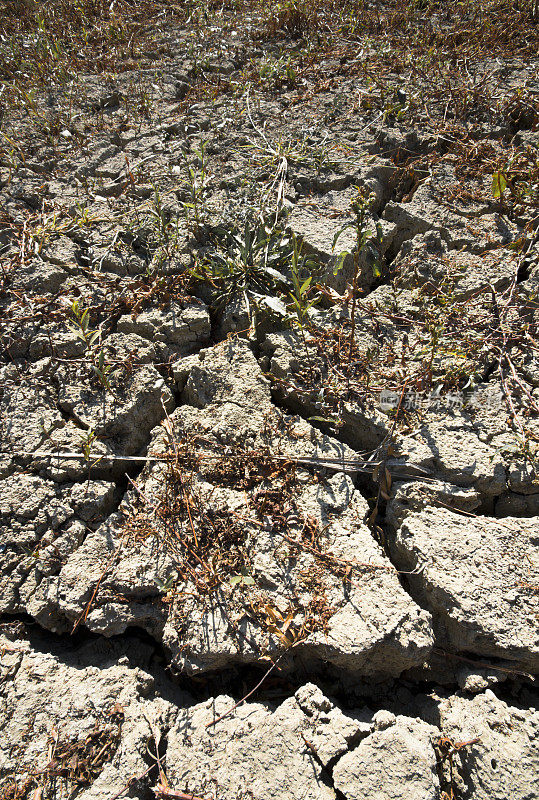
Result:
[243,579]
[158,215]
[249,263]
[277,73]
[499,184]
[360,207]
[143,104]
[302,288]
[81,325]
[435,329]
[82,216]
[516,183]
[196,187]
[166,588]
[86,444]
[301,297]
[104,371]
[92,339]
[14,156]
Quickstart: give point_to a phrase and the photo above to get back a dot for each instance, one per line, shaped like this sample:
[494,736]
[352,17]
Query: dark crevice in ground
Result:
[326,776]
[84,648]
[294,406]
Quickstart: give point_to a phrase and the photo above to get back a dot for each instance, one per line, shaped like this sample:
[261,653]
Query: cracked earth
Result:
[228,569]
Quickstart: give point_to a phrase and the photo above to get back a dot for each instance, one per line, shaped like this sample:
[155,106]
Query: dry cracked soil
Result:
[269,391]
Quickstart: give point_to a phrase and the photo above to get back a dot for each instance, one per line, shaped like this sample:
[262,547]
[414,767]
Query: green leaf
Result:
[499,184]
[340,261]
[235,579]
[305,285]
[247,580]
[364,238]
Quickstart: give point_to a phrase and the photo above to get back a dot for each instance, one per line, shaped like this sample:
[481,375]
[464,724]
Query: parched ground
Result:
[269,392]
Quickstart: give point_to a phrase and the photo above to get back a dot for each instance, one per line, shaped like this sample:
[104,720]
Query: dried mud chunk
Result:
[129,595]
[41,525]
[129,347]
[124,415]
[413,496]
[523,478]
[182,328]
[291,360]
[29,411]
[432,208]
[228,374]
[393,763]
[228,554]
[370,628]
[62,252]
[501,754]
[235,317]
[256,750]
[90,701]
[88,454]
[451,447]
[40,276]
[478,577]
[420,261]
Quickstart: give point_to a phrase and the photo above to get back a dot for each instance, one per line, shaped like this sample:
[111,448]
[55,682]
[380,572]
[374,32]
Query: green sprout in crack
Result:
[301,295]
[166,228]
[360,207]
[86,444]
[157,212]
[104,371]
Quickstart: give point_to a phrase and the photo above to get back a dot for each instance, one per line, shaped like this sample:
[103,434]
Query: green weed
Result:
[80,325]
